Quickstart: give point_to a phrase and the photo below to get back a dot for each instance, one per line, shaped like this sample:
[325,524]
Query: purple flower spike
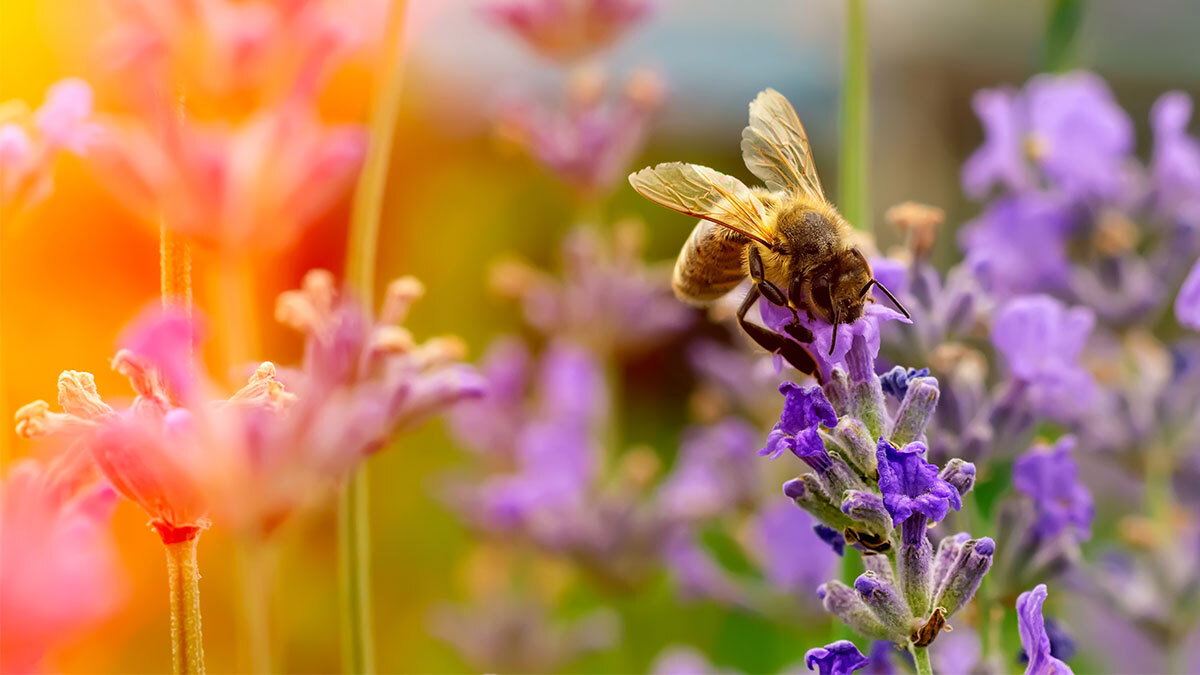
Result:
[1033,635]
[1000,159]
[832,537]
[1049,476]
[1175,163]
[1041,341]
[910,485]
[1187,304]
[836,658]
[804,410]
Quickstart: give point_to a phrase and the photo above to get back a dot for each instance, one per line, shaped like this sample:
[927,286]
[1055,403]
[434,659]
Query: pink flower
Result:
[234,52]
[31,141]
[58,567]
[256,183]
[565,30]
[589,142]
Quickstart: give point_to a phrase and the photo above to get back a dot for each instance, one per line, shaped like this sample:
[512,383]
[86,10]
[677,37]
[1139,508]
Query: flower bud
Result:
[868,405]
[837,390]
[915,411]
[810,495]
[881,566]
[868,509]
[965,573]
[960,474]
[845,603]
[856,446]
[885,603]
[914,567]
[947,552]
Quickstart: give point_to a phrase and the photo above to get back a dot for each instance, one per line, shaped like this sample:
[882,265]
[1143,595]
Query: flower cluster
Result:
[31,140]
[871,487]
[184,453]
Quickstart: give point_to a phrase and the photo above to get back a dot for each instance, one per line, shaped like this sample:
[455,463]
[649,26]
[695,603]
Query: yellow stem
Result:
[183,574]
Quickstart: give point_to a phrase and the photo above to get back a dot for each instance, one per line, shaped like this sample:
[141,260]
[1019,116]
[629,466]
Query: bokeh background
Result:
[80,265]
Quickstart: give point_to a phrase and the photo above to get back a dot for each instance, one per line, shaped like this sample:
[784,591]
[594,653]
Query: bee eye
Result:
[821,296]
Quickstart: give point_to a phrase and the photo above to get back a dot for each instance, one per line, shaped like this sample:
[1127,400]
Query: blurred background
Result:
[80,265]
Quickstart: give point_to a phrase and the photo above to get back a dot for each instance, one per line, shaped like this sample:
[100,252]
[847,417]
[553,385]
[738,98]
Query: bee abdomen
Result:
[710,264]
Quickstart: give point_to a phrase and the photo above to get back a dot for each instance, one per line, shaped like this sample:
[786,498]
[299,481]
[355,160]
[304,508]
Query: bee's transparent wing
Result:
[776,149]
[705,193]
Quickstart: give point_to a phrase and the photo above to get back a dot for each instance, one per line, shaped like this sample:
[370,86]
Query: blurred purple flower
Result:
[489,425]
[910,485]
[565,30]
[715,472]
[696,574]
[608,298]
[589,143]
[1068,126]
[836,658]
[805,409]
[956,652]
[681,660]
[1049,476]
[830,536]
[793,557]
[1187,303]
[1041,341]
[1175,162]
[1018,245]
[1034,637]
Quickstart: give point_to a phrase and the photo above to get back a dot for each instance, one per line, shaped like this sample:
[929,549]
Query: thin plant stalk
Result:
[183,570]
[183,574]
[1062,33]
[855,121]
[353,517]
[921,659]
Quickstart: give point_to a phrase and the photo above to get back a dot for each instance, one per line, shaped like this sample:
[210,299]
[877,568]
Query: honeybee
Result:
[786,236]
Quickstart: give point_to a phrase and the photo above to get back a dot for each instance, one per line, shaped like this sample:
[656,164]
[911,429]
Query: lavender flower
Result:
[911,486]
[1187,303]
[1018,245]
[1175,161]
[805,409]
[1034,637]
[788,548]
[857,343]
[588,143]
[1067,126]
[715,471]
[1048,475]
[1041,341]
[836,658]
[608,299]
[895,381]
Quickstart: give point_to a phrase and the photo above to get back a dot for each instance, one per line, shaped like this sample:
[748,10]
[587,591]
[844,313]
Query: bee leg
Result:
[792,352]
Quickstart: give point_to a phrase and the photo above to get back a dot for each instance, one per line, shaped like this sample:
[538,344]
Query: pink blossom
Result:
[59,574]
[30,141]
[565,30]
[255,183]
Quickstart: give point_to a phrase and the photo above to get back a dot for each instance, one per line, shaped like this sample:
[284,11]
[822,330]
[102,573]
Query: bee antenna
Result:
[833,341]
[886,292]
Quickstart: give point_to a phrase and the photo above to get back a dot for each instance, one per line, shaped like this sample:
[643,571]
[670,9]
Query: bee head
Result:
[839,291]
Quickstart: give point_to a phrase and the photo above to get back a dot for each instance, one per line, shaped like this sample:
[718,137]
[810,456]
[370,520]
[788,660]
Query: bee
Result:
[784,236]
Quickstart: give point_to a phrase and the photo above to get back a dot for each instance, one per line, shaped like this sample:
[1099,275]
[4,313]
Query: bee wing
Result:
[776,149]
[705,193]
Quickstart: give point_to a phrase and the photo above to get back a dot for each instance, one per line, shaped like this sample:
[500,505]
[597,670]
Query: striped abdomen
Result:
[710,264]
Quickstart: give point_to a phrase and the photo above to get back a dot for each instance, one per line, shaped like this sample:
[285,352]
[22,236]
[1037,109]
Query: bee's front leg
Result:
[792,351]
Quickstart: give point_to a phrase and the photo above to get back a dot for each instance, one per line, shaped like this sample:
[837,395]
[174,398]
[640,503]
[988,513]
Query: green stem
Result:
[1062,32]
[921,659]
[358,650]
[855,122]
[183,575]
[353,520]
